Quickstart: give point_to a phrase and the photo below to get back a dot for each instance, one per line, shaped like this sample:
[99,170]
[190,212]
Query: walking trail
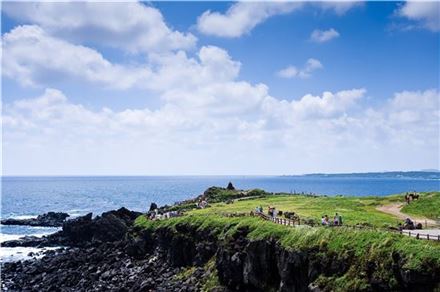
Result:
[394,209]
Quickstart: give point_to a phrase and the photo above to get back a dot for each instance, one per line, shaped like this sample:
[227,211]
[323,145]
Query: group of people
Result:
[259,209]
[202,203]
[337,220]
[271,211]
[411,197]
[159,215]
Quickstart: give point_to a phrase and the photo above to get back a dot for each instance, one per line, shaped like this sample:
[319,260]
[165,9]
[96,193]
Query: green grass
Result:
[428,205]
[367,245]
[354,210]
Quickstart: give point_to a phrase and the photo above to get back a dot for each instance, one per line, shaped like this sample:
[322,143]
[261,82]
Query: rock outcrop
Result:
[50,219]
[83,231]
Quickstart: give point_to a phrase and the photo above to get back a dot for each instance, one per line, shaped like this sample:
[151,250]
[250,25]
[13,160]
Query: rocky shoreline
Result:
[99,254]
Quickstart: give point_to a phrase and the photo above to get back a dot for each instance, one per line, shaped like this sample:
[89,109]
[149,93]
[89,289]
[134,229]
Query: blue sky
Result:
[219,87]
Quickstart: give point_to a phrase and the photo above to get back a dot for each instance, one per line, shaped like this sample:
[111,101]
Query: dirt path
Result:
[394,209]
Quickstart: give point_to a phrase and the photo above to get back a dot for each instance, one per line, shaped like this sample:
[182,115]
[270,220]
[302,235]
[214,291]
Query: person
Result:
[407,198]
[274,213]
[340,219]
[323,222]
[326,220]
[336,219]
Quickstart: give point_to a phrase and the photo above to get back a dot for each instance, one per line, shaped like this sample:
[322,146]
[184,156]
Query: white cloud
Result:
[329,130]
[32,57]
[401,107]
[425,12]
[305,72]
[308,107]
[288,72]
[131,26]
[339,7]
[242,17]
[322,36]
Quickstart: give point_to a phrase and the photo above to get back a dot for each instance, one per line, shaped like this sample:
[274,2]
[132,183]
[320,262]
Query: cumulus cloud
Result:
[322,36]
[305,72]
[426,13]
[132,26]
[242,17]
[312,129]
[32,57]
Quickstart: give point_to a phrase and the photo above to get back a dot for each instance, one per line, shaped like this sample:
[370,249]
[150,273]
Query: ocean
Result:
[29,196]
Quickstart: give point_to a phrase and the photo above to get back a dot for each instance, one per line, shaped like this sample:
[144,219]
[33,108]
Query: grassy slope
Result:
[365,245]
[371,245]
[353,209]
[428,205]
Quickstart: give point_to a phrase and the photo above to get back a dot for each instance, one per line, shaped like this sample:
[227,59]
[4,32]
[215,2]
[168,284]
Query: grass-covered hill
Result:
[354,210]
[361,249]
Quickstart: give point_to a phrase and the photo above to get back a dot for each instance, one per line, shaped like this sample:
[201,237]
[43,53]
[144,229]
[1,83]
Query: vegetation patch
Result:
[428,205]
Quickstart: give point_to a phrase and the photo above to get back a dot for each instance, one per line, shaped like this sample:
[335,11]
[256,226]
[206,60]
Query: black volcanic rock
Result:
[50,219]
[230,187]
[153,207]
[109,227]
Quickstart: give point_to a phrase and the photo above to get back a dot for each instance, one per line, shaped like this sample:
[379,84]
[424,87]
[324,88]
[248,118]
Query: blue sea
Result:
[29,196]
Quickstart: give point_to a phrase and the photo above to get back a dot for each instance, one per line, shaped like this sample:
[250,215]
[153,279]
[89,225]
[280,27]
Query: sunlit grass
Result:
[354,210]
[427,205]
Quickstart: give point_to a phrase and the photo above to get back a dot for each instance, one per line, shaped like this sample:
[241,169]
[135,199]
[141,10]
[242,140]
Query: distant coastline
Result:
[421,174]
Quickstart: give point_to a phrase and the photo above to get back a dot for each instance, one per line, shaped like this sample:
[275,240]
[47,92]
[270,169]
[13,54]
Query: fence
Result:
[292,223]
[419,235]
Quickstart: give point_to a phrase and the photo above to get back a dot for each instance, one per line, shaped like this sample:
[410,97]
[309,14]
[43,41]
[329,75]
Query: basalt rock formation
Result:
[50,219]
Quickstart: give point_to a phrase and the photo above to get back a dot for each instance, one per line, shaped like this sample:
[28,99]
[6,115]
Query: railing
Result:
[292,223]
[419,235]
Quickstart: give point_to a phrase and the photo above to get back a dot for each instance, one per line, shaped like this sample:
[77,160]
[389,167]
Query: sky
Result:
[219,88]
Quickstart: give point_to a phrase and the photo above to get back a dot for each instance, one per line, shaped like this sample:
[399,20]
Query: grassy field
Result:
[354,210]
[428,206]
